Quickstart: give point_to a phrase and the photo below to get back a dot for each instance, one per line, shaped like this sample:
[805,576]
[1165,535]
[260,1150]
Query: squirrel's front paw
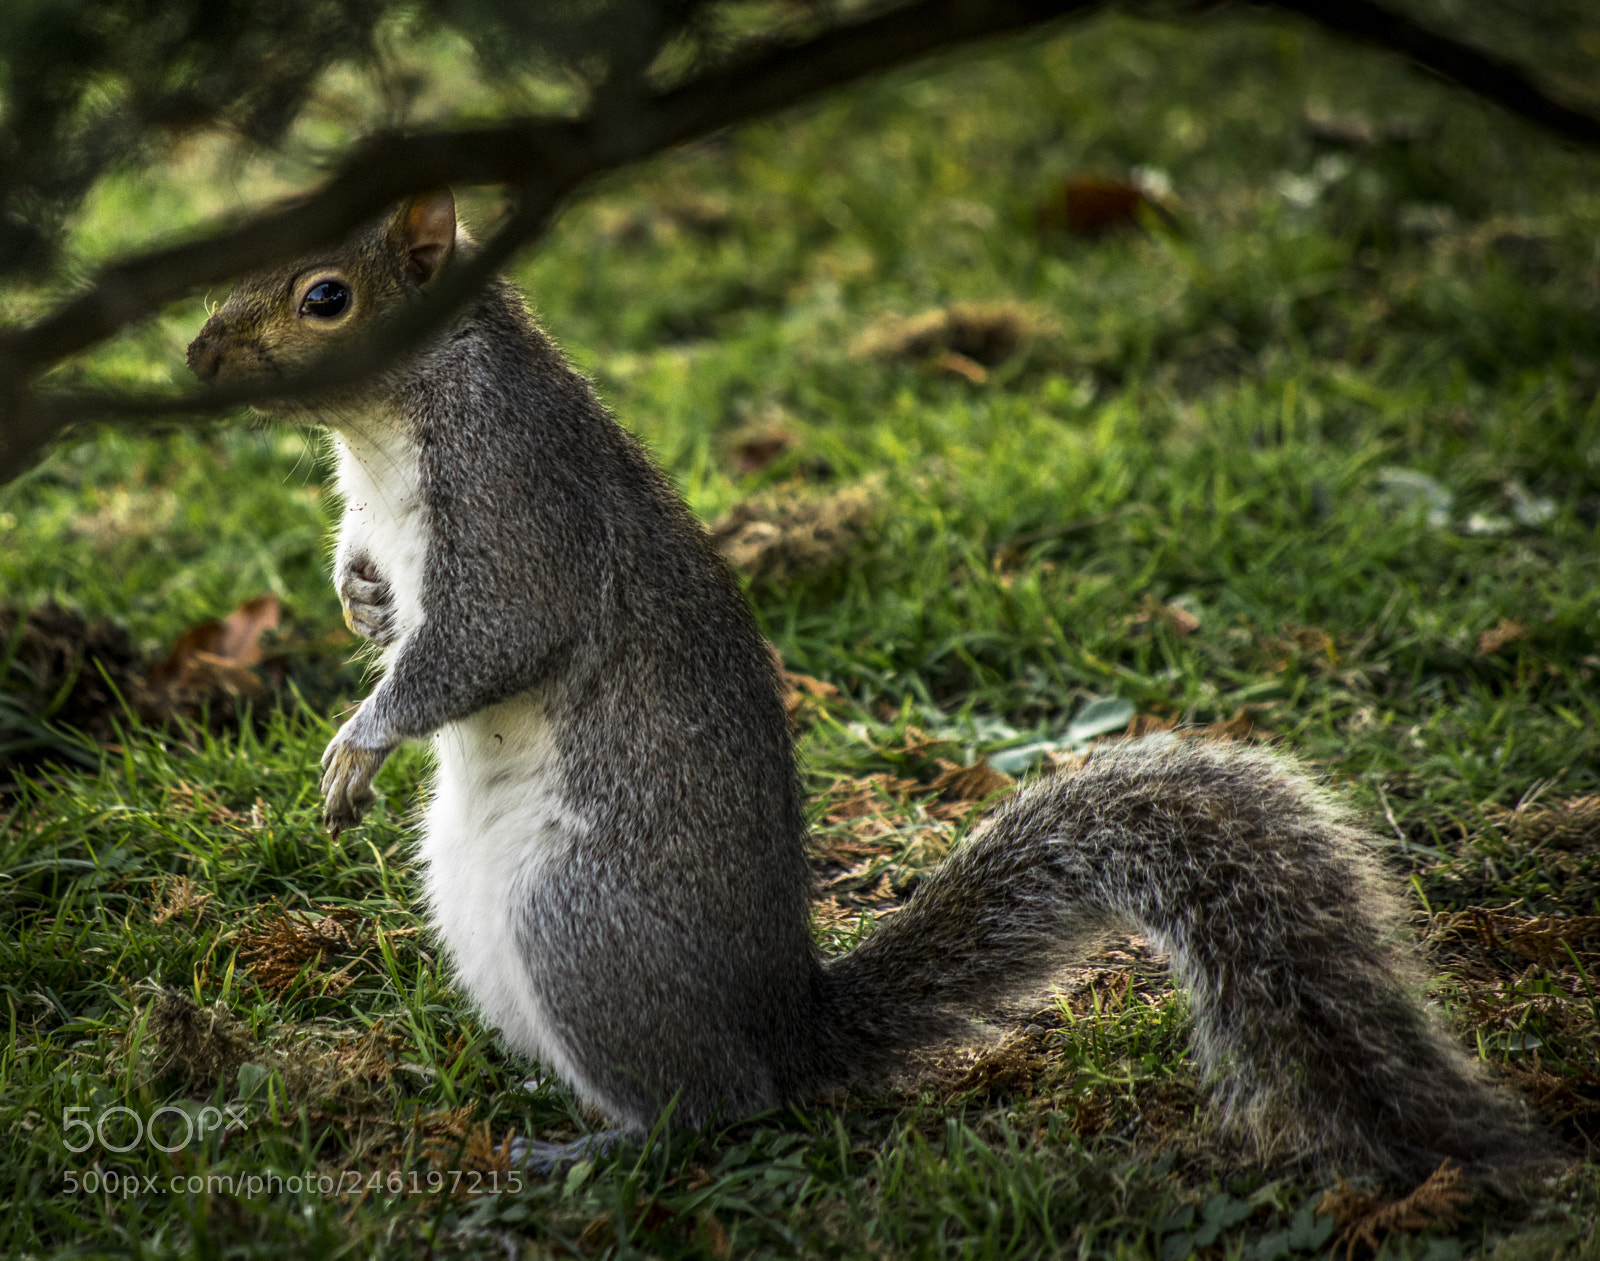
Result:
[368,602]
[347,773]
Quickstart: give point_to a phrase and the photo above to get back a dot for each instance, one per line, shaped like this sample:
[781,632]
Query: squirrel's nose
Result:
[205,356]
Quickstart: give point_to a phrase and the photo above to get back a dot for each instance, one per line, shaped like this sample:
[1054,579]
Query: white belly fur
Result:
[496,825]
[496,828]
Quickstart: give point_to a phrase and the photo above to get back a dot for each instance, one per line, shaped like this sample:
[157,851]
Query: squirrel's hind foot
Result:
[543,1159]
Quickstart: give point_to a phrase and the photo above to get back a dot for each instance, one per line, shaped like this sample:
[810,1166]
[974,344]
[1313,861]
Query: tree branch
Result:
[547,159]
[559,155]
[1493,78]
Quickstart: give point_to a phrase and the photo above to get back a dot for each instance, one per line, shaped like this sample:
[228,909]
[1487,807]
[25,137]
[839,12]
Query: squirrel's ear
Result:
[428,232]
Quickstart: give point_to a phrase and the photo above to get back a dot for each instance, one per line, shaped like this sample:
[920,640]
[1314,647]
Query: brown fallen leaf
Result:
[1090,205]
[1508,630]
[223,644]
[213,662]
[1148,724]
[1241,726]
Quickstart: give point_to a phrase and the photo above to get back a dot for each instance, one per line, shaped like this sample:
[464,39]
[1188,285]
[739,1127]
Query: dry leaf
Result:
[797,687]
[969,783]
[1089,205]
[1508,630]
[718,1242]
[234,640]
[1241,726]
[1149,724]
[214,659]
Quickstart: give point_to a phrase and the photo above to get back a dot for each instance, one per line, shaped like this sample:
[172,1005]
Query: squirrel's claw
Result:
[347,773]
[368,607]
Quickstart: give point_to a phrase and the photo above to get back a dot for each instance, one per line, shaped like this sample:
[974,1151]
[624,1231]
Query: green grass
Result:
[1210,408]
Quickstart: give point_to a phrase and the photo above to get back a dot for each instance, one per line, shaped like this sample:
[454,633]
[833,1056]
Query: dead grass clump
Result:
[966,339]
[58,667]
[805,697]
[366,1057]
[974,783]
[277,956]
[1550,940]
[1365,1220]
[1244,725]
[792,532]
[339,1077]
[1565,825]
[180,897]
[1526,985]
[1507,631]
[450,1141]
[200,1045]
[1010,1066]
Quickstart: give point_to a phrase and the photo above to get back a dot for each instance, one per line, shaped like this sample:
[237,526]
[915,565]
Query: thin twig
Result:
[547,159]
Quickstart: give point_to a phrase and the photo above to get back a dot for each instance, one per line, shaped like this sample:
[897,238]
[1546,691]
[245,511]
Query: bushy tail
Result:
[1265,895]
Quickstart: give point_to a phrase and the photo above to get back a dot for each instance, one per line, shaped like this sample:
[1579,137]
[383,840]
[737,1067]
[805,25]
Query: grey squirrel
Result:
[615,845]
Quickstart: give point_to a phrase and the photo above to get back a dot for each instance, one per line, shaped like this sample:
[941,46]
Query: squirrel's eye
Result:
[325,299]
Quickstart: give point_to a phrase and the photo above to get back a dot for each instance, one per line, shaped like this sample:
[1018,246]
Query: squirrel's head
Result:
[276,323]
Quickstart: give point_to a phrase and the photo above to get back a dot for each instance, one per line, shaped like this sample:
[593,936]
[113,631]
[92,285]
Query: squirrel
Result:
[615,844]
